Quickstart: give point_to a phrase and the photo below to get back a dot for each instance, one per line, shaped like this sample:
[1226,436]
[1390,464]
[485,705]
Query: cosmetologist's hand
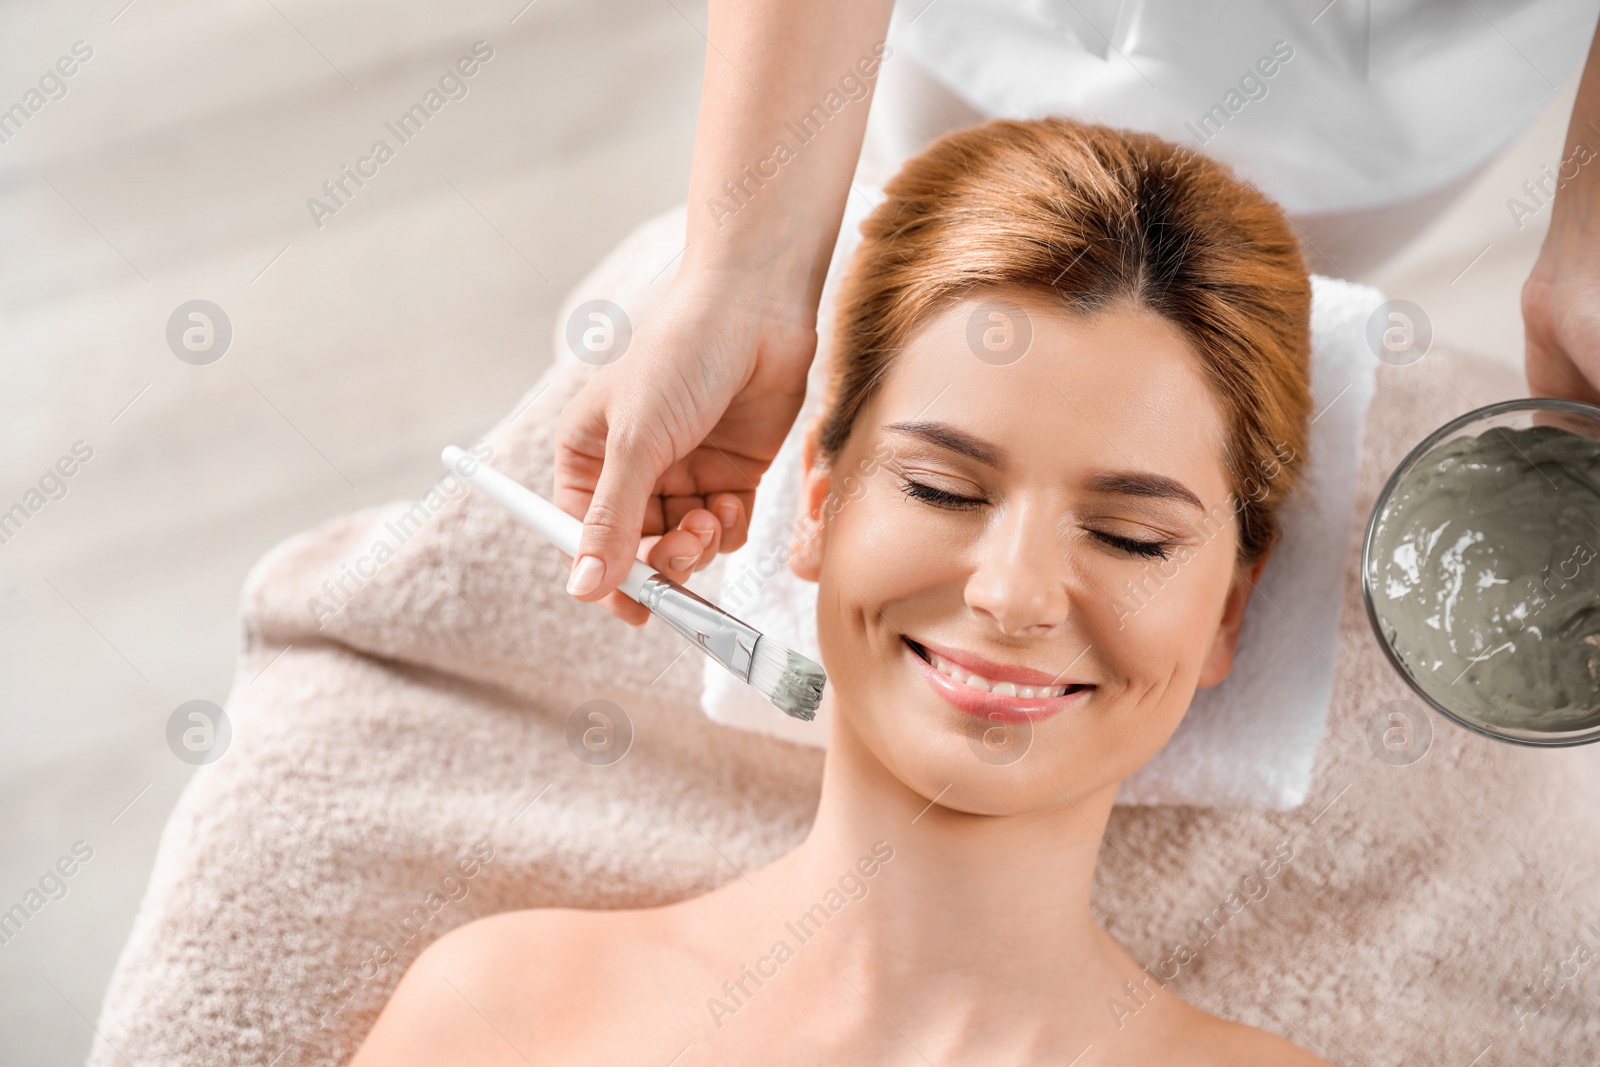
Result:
[689,419]
[677,554]
[1561,298]
[695,411]
[1561,318]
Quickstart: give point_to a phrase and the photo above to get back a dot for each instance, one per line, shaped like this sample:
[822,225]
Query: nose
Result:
[1021,578]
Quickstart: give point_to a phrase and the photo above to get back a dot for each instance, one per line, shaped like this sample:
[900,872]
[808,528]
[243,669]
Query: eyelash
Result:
[1135,547]
[927,494]
[938,497]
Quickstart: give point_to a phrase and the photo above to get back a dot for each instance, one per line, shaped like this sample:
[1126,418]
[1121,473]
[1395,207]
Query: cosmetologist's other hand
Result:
[1561,298]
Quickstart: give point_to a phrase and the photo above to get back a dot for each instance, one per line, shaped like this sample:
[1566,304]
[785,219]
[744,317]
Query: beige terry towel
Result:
[404,768]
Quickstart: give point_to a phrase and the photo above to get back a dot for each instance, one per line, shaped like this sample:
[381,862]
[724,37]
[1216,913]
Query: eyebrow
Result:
[1119,483]
[946,436]
[1142,483]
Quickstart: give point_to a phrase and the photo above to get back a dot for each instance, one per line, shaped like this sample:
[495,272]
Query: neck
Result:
[983,915]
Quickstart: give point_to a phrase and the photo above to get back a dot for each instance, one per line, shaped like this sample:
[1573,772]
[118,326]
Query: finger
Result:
[580,449]
[655,516]
[733,515]
[665,555]
[623,607]
[676,554]
[615,517]
[628,610]
[708,533]
[675,508]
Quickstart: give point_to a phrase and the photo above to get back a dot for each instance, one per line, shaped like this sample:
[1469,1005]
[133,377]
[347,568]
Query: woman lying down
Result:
[1063,352]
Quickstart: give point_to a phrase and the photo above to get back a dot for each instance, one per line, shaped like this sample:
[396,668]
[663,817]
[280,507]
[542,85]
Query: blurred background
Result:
[176,166]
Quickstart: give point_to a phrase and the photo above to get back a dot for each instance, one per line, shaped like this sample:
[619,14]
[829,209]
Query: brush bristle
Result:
[787,678]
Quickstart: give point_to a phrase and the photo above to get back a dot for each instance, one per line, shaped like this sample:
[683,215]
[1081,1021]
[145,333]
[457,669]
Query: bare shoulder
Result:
[1238,1045]
[1180,1033]
[482,993]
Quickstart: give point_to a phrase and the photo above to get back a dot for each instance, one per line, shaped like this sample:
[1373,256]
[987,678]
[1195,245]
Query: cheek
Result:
[883,550]
[885,566]
[1155,623]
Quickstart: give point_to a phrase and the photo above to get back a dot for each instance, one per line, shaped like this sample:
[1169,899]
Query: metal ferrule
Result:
[726,639]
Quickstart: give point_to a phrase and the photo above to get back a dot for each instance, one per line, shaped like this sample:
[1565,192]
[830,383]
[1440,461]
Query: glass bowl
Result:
[1578,418]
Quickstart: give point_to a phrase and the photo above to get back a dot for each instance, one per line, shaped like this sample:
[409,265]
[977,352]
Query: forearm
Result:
[1576,210]
[782,114]
[1561,298]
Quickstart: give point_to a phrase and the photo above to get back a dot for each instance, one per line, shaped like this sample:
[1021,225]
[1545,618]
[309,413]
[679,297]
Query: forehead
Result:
[1122,387]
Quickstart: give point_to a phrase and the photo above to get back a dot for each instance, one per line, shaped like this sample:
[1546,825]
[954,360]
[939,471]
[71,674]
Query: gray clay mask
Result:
[1484,572]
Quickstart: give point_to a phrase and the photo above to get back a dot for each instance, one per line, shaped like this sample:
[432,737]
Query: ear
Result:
[1219,660]
[805,548]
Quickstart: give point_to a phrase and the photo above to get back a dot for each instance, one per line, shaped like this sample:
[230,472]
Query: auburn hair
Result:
[1091,216]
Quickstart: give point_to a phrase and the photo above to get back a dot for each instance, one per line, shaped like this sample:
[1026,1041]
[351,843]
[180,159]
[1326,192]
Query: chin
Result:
[962,762]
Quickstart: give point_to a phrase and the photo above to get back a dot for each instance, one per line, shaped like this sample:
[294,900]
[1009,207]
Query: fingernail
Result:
[727,514]
[586,575]
[682,563]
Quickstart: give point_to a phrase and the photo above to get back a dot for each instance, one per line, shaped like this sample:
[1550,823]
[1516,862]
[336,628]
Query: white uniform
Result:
[1335,107]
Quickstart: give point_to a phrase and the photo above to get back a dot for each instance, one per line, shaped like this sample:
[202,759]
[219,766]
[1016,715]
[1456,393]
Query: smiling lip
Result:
[996,707]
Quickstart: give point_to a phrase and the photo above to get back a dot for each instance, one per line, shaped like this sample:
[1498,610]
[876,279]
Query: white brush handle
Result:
[562,529]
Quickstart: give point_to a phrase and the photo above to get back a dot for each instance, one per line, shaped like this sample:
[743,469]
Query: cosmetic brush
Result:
[788,679]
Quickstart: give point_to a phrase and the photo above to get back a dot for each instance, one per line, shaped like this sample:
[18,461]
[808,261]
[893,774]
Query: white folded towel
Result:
[1249,742]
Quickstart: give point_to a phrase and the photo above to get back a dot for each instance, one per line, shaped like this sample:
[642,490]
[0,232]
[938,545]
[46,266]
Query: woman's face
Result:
[1060,520]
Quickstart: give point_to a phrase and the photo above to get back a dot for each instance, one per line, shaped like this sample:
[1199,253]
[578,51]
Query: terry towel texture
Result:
[420,732]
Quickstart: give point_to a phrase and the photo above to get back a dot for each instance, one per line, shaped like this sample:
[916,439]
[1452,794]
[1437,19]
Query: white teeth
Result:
[978,681]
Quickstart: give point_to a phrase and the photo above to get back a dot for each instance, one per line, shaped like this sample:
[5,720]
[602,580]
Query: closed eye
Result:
[938,497]
[1134,546]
